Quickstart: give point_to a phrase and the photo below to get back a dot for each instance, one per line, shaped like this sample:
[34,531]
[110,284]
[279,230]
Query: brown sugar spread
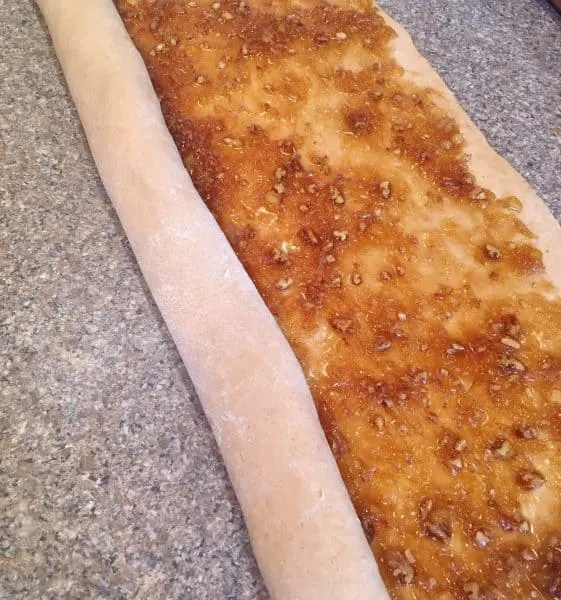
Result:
[414,299]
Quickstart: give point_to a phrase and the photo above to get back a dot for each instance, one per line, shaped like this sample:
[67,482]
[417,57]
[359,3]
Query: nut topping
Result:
[337,196]
[279,256]
[455,348]
[402,568]
[425,508]
[460,446]
[382,345]
[525,527]
[530,480]
[233,142]
[481,538]
[492,252]
[284,284]
[310,236]
[507,341]
[529,555]
[501,448]
[472,590]
[341,324]
[512,366]
[456,465]
[385,189]
[526,433]
[340,236]
[438,531]
[356,278]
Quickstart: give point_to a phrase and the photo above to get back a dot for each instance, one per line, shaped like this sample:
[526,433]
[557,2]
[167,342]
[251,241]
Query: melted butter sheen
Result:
[413,298]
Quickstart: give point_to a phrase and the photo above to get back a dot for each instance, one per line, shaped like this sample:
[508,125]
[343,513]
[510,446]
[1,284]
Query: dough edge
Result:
[305,533]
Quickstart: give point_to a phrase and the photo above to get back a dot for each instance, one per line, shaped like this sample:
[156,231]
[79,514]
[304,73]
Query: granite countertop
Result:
[111,485]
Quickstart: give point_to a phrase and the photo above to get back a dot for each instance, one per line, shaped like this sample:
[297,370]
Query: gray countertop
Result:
[111,485]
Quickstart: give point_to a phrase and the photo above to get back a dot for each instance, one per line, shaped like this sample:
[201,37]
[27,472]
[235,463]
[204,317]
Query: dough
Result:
[253,390]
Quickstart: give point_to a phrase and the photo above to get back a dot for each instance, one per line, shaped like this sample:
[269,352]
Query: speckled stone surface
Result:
[111,485]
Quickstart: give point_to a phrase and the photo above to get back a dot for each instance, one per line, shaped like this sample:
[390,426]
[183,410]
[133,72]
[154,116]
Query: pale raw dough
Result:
[307,538]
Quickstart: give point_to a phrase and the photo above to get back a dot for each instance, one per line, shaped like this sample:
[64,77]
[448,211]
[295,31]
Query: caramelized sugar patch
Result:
[413,297]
